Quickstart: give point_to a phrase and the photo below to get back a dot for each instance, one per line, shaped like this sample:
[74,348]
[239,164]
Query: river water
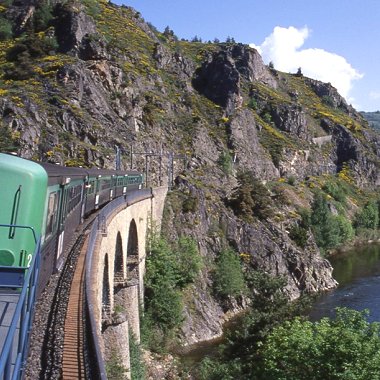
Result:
[358,274]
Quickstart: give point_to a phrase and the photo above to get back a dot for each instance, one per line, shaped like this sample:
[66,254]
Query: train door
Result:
[97,191]
[51,235]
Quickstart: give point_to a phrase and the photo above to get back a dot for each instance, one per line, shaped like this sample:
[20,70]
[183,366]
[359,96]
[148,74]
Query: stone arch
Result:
[106,294]
[132,252]
[119,261]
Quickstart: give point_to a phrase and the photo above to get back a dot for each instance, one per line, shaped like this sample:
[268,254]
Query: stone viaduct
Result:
[115,270]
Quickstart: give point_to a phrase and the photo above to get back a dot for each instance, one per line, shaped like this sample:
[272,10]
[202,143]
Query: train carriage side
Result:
[23,187]
[63,214]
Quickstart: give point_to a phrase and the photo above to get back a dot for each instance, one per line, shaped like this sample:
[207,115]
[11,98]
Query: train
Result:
[50,201]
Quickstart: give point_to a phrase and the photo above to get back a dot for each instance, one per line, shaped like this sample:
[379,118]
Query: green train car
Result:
[23,186]
[50,201]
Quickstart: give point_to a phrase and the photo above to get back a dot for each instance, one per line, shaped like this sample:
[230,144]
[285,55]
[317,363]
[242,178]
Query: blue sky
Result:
[336,41]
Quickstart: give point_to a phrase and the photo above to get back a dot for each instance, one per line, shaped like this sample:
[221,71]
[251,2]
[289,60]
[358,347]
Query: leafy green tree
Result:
[368,217]
[325,227]
[228,276]
[168,270]
[346,231]
[251,198]
[189,261]
[347,347]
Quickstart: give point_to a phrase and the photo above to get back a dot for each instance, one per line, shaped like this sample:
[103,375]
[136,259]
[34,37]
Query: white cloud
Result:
[284,48]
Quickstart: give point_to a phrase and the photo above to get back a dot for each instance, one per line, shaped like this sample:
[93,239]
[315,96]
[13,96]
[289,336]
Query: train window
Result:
[106,184]
[51,213]
[91,187]
[74,197]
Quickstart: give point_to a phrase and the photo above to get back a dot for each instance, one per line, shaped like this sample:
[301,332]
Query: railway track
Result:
[64,350]
[73,363]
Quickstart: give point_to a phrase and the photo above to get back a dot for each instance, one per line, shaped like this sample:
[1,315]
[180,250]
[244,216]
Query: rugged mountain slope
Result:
[373,118]
[82,77]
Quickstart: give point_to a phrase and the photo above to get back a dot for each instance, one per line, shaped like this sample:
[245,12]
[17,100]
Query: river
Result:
[358,274]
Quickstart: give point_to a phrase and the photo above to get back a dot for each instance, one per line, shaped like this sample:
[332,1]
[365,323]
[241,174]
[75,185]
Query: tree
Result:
[251,198]
[347,347]
[324,226]
[189,261]
[228,277]
[368,217]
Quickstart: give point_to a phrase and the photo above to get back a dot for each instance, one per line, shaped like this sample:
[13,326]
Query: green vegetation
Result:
[251,198]
[241,357]
[168,271]
[228,277]
[329,230]
[9,141]
[138,370]
[114,367]
[368,217]
[5,29]
[347,347]
[225,162]
[43,16]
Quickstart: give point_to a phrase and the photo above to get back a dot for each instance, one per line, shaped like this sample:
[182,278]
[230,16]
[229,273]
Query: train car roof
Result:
[96,172]
[57,170]
[58,174]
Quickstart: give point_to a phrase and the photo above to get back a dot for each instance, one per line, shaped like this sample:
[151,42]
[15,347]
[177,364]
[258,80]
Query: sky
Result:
[336,41]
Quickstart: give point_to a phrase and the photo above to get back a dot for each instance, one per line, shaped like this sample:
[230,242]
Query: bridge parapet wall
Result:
[115,266]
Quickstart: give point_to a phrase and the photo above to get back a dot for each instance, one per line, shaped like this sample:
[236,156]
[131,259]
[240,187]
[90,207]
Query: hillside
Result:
[253,145]
[373,118]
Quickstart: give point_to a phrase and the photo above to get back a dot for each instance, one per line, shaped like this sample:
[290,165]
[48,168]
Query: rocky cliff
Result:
[79,78]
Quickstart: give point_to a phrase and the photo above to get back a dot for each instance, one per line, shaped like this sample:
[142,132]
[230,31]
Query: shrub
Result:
[114,367]
[329,230]
[251,198]
[138,371]
[368,217]
[299,235]
[189,261]
[5,29]
[346,231]
[291,181]
[253,104]
[9,142]
[190,204]
[43,16]
[336,191]
[168,270]
[225,162]
[344,348]
[228,276]
[93,7]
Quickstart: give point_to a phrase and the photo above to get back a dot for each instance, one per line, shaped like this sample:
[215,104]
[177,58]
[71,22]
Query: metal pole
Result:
[146,170]
[131,157]
[160,170]
[117,158]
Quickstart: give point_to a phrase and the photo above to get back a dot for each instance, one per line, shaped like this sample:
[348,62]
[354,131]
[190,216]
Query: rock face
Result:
[219,77]
[113,80]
